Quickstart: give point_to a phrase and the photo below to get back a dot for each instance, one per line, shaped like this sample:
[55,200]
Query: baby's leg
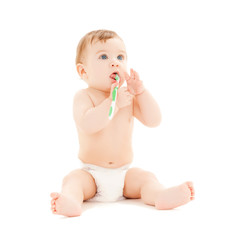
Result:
[144,185]
[77,186]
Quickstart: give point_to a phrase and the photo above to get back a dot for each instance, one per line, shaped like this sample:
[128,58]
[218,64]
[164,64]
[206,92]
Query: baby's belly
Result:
[111,147]
[109,156]
[111,151]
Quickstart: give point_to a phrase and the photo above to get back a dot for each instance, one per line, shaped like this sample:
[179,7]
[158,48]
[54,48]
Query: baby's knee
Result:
[146,176]
[150,175]
[74,175]
[143,175]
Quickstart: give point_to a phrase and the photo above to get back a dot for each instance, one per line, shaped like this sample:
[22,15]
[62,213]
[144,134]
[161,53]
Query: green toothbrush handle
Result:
[112,107]
[114,97]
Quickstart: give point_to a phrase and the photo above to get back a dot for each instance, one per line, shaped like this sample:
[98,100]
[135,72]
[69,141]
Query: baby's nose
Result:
[114,63]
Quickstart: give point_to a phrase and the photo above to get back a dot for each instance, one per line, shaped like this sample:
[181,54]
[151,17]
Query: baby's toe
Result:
[54,211]
[53,202]
[53,208]
[55,195]
[191,188]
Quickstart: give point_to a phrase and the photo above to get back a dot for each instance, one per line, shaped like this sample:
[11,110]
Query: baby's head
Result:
[100,54]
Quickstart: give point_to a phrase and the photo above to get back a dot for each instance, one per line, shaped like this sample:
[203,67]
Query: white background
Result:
[181,51]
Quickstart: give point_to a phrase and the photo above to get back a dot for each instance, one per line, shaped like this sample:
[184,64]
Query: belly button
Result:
[110,163]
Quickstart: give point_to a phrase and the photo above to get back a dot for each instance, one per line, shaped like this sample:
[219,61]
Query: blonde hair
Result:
[90,38]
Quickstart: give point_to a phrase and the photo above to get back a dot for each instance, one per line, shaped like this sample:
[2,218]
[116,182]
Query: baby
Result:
[106,145]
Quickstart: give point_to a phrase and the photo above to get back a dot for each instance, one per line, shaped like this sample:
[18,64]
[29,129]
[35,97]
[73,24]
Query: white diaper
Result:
[109,181]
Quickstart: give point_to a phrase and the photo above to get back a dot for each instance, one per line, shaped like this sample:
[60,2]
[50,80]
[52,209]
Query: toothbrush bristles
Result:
[117,78]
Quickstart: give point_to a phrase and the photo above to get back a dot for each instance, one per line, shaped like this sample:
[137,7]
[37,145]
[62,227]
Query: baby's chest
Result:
[122,122]
[118,131]
[125,114]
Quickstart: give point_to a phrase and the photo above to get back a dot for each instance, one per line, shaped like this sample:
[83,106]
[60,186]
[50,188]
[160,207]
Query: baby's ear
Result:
[81,71]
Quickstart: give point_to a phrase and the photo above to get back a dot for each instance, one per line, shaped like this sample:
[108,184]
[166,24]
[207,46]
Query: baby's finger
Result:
[129,95]
[132,75]
[126,77]
[127,91]
[131,91]
[114,85]
[136,75]
[112,88]
[122,89]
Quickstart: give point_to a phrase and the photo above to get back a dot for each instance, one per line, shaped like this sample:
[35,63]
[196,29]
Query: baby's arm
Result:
[88,118]
[92,119]
[146,109]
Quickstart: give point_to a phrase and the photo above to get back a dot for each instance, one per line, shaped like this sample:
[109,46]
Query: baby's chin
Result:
[105,89]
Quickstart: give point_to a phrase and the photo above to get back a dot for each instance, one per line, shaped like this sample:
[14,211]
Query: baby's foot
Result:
[175,196]
[64,206]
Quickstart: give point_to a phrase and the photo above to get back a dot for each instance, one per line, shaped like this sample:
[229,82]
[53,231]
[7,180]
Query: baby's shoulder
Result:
[82,96]
[80,93]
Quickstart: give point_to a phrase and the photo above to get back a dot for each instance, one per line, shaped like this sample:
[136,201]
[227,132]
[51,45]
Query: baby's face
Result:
[104,59]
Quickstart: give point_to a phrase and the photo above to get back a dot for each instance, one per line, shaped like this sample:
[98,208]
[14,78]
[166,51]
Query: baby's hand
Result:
[134,84]
[124,98]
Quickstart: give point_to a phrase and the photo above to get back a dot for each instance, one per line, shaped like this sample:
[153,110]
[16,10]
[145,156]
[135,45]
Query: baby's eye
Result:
[120,57]
[104,56]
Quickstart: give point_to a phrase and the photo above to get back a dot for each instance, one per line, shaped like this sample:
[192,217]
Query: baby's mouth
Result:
[113,75]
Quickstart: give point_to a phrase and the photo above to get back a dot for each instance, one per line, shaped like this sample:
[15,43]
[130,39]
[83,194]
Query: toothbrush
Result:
[114,97]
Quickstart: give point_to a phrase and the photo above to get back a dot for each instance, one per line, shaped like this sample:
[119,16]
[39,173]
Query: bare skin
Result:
[100,137]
